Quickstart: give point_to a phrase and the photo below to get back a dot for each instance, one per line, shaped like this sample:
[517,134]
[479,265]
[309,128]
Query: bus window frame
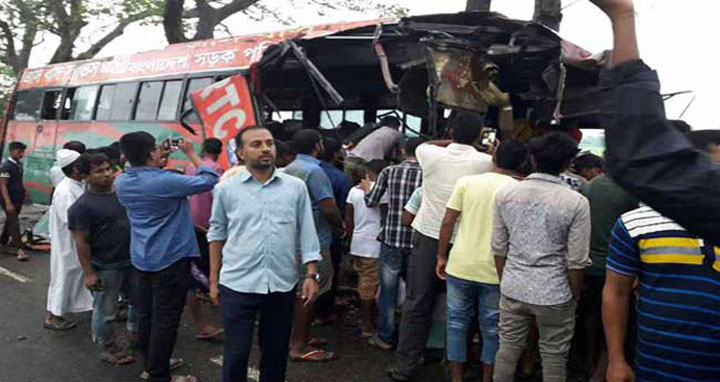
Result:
[42,103]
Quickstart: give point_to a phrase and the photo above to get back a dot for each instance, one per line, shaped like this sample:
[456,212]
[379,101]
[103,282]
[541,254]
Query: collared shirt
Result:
[12,170]
[201,204]
[263,227]
[319,187]
[156,200]
[542,227]
[442,167]
[396,184]
[340,184]
[678,299]
[574,181]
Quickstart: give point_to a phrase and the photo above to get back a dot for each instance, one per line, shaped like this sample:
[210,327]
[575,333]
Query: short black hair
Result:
[305,140]
[412,145]
[282,148]
[466,127]
[16,145]
[111,152]
[391,121]
[137,146]
[701,139]
[87,161]
[239,136]
[212,146]
[588,161]
[332,147]
[680,125]
[553,152]
[513,155]
[376,165]
[75,146]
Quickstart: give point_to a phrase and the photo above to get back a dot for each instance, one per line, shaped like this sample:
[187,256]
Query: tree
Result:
[547,12]
[20,21]
[23,21]
[206,16]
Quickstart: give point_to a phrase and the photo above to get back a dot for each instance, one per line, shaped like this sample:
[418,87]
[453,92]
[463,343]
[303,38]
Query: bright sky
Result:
[676,38]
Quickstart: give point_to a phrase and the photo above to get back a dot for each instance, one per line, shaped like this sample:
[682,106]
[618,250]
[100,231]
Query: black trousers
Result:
[276,316]
[422,287]
[160,300]
[11,230]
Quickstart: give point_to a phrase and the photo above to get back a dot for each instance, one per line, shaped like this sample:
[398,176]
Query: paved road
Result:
[29,353]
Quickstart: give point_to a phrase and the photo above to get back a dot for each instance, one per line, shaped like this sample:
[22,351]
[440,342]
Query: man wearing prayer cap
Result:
[67,292]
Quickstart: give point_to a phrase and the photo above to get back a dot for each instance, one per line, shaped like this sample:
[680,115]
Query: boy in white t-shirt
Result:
[363,226]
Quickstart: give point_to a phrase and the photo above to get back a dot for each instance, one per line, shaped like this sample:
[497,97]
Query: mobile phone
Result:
[488,137]
[172,144]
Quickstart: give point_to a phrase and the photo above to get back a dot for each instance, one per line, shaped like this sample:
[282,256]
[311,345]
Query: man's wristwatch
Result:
[314,276]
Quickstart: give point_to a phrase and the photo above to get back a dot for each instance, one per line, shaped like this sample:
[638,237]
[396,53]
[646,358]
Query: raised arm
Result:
[645,154]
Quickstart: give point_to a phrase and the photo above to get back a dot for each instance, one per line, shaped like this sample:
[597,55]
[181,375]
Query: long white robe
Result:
[67,292]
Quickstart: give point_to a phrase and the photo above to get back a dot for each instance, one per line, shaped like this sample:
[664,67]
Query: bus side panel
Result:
[39,136]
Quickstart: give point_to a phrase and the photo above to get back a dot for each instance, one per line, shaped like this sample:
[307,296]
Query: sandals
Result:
[59,325]
[211,333]
[183,378]
[175,363]
[315,342]
[117,358]
[22,256]
[315,356]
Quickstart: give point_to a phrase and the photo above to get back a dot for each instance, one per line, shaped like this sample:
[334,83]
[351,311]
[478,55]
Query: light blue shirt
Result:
[264,227]
[156,201]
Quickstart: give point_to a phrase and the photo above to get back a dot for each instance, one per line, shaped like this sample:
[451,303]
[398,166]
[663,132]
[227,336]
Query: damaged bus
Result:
[334,77]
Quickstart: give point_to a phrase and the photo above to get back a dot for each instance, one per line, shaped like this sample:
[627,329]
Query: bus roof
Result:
[232,53]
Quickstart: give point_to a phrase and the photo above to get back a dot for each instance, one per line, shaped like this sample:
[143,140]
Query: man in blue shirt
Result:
[260,219]
[332,164]
[162,242]
[306,166]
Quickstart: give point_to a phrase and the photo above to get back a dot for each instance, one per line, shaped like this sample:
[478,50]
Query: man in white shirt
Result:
[56,172]
[443,163]
[381,143]
[67,292]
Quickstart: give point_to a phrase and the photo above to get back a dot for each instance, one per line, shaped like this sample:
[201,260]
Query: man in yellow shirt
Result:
[472,280]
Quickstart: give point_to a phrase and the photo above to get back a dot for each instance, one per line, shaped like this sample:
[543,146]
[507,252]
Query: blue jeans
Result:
[463,298]
[276,316]
[393,265]
[105,303]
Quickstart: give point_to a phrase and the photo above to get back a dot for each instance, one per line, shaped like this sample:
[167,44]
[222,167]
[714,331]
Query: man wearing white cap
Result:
[67,292]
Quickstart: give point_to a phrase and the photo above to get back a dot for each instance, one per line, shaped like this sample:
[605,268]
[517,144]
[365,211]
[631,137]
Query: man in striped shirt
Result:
[395,185]
[678,303]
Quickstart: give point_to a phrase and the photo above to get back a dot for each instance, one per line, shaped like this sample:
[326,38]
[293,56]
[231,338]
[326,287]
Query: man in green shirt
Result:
[607,202]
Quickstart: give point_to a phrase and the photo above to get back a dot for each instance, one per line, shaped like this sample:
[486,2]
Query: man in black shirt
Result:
[101,231]
[13,196]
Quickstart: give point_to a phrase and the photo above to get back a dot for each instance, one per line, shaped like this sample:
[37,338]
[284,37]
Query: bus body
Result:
[333,75]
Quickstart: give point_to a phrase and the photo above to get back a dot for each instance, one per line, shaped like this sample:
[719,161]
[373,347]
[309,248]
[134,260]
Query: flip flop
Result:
[315,356]
[22,257]
[175,363]
[210,334]
[116,359]
[59,326]
[315,342]
[183,378]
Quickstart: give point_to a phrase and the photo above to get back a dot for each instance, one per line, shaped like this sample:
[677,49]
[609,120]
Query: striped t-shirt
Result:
[679,296]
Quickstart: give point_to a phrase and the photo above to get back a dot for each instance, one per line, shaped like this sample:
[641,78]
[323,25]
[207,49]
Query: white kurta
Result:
[67,292]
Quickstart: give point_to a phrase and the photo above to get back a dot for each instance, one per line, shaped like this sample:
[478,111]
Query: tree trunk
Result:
[207,21]
[548,13]
[172,21]
[478,5]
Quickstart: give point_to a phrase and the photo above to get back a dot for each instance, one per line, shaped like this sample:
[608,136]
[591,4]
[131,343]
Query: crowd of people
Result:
[532,243]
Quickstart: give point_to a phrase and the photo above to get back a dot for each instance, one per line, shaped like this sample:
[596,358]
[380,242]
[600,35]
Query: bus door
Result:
[34,122]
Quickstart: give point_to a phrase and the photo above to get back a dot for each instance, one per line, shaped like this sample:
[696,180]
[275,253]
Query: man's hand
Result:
[214,293]
[92,281]
[10,209]
[440,267]
[187,147]
[310,289]
[619,371]
[615,8]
